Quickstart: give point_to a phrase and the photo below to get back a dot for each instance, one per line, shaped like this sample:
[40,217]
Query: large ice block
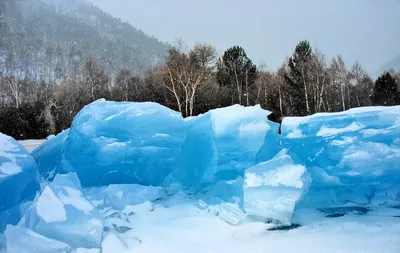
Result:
[230,191]
[123,142]
[122,195]
[321,139]
[231,214]
[19,179]
[239,133]
[352,155]
[272,189]
[24,240]
[149,144]
[49,155]
[271,145]
[62,213]
[197,154]
[221,144]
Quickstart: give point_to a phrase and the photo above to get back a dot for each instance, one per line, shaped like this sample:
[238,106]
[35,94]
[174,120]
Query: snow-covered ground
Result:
[178,226]
[31,144]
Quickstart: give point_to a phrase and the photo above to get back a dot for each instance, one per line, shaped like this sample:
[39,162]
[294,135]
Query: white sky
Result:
[364,30]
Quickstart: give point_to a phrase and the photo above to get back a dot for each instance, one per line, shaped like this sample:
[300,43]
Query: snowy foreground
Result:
[137,177]
[184,228]
[178,225]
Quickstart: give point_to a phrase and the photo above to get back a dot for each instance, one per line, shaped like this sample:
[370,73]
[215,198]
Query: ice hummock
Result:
[273,188]
[63,213]
[351,155]
[220,145]
[19,180]
[347,154]
[239,133]
[117,143]
[120,196]
[149,144]
[232,163]
[49,155]
[27,241]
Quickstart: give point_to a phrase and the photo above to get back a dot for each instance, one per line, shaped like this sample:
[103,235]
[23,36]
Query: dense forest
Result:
[51,39]
[40,95]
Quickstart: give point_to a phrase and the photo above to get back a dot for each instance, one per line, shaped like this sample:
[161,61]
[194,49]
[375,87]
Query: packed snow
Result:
[138,177]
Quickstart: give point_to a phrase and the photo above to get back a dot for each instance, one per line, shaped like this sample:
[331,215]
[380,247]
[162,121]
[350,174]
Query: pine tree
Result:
[237,72]
[297,78]
[385,91]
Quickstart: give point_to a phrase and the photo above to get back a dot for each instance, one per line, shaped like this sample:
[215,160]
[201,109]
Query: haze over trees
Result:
[58,58]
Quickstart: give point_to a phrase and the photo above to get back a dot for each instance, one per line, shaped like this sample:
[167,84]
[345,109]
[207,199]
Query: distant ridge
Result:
[56,36]
[392,64]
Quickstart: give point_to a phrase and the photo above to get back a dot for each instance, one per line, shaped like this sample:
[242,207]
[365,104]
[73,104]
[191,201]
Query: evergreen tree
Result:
[385,91]
[237,72]
[297,78]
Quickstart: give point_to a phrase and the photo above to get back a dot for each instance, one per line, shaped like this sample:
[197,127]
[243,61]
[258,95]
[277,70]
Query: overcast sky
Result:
[364,30]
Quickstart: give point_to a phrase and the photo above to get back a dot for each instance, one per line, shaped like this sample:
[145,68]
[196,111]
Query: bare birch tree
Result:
[185,71]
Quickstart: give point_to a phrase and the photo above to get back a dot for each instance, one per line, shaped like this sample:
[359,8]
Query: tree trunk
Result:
[280,98]
[291,106]
[316,96]
[186,102]
[238,87]
[305,91]
[258,93]
[321,100]
[173,90]
[126,91]
[92,86]
[15,90]
[348,97]
[343,99]
[192,101]
[266,95]
[247,89]
[328,103]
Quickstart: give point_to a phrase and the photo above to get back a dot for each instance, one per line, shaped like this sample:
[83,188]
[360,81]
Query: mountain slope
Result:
[54,37]
[392,64]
